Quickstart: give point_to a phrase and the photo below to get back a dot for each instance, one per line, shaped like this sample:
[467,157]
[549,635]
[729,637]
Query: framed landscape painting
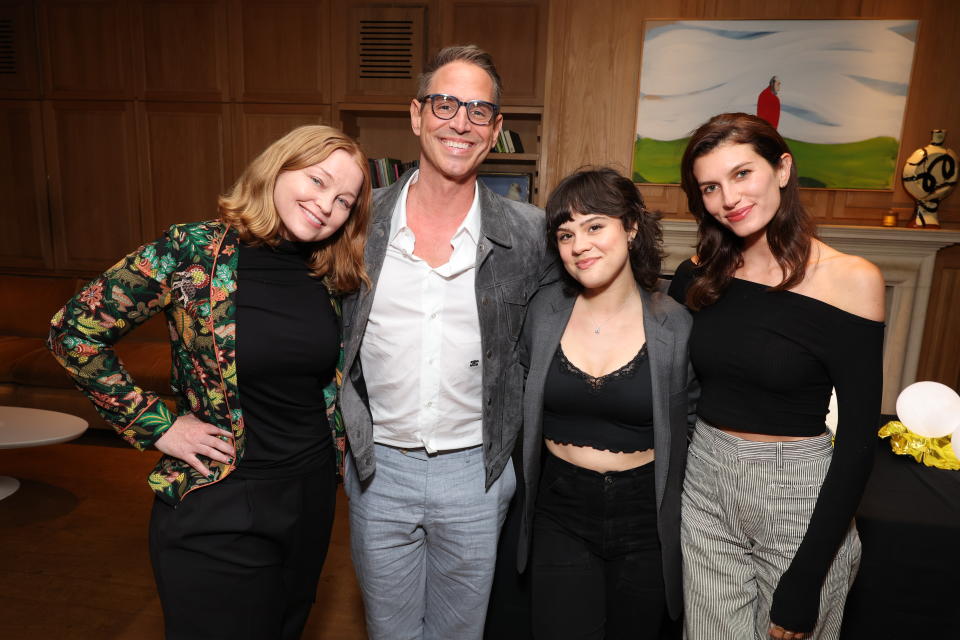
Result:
[836,90]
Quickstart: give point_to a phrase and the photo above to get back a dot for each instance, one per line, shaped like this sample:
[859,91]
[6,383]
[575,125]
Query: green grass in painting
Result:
[869,164]
[657,161]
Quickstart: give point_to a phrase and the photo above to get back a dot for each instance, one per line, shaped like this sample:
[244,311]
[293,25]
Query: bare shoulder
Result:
[850,283]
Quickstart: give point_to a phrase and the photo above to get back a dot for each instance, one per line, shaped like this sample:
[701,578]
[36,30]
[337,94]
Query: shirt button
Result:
[489,353]
[429,404]
[433,316]
[608,480]
[484,300]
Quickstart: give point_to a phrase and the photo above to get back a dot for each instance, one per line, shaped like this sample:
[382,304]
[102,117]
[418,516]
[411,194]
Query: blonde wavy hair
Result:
[249,208]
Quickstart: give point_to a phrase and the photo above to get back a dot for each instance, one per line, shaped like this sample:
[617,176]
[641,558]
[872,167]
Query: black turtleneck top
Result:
[287,348]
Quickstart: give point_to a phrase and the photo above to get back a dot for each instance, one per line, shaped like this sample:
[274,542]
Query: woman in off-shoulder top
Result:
[780,318]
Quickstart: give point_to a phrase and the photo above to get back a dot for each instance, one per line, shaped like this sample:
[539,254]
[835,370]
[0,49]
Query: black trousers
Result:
[242,558]
[508,613]
[596,566]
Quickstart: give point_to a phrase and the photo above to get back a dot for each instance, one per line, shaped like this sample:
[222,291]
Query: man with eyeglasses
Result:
[432,391]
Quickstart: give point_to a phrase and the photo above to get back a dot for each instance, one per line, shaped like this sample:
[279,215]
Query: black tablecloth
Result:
[908,585]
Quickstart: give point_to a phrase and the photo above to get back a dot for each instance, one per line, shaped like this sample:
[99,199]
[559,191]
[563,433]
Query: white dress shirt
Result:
[421,352]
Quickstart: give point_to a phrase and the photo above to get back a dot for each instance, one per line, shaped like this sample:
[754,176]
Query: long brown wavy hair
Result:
[720,251]
[248,206]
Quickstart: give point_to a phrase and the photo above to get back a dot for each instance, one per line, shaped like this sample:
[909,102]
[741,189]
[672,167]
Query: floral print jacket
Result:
[190,273]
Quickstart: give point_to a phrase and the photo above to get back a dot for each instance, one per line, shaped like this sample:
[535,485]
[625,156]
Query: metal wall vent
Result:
[8,53]
[386,49]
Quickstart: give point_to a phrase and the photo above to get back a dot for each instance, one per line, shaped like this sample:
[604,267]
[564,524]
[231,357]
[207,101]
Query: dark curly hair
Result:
[605,191]
[720,251]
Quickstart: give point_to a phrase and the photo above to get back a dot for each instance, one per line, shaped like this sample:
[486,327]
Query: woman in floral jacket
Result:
[246,487]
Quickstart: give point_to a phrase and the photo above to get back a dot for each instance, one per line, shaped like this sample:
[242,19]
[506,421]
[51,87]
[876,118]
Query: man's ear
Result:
[416,114]
[498,125]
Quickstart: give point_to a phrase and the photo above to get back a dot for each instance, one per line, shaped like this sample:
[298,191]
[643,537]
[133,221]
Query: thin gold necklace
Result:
[596,329]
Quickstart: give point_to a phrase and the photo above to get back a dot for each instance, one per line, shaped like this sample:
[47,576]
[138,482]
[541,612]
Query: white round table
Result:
[25,427]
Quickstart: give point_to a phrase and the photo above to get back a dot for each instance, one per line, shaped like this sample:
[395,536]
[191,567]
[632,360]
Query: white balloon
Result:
[929,409]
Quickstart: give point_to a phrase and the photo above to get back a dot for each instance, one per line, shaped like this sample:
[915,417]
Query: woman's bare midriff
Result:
[763,437]
[597,459]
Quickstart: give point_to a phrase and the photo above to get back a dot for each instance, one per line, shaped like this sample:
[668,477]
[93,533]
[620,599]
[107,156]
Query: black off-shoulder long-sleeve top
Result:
[767,361]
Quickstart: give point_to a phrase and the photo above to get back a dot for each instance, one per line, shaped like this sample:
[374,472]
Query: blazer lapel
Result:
[660,342]
[493,224]
[545,339]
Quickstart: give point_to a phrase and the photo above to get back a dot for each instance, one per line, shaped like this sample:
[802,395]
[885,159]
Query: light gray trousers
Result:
[745,510]
[423,537]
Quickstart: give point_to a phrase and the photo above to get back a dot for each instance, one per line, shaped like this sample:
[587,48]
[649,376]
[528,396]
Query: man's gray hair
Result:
[463,53]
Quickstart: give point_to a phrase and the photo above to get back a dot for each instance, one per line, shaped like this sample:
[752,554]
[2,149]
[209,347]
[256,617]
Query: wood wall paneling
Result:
[87,49]
[282,52]
[934,89]
[513,32]
[187,161]
[256,126]
[19,63]
[664,198]
[183,50]
[25,241]
[940,357]
[383,48]
[380,133]
[94,196]
[591,110]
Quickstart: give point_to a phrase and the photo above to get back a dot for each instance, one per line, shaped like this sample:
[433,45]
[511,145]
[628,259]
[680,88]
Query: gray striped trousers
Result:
[745,510]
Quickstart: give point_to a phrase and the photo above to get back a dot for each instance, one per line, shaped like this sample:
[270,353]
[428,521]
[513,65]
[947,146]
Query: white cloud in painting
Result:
[841,80]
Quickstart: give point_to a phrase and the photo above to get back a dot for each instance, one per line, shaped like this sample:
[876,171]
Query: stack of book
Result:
[386,171]
[508,142]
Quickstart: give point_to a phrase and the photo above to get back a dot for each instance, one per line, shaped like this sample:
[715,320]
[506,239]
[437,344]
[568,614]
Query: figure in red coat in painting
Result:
[768,104]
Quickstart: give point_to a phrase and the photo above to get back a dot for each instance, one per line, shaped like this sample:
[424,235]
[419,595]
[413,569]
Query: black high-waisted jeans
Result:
[596,567]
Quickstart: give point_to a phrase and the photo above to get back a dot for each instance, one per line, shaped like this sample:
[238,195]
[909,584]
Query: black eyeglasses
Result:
[445,107]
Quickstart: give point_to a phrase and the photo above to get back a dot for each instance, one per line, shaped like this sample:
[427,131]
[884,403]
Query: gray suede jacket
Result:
[511,264]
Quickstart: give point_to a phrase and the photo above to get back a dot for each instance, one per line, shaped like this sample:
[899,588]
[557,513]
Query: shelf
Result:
[510,110]
[512,157]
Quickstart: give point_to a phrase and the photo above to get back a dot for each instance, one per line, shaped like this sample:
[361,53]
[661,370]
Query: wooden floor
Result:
[73,551]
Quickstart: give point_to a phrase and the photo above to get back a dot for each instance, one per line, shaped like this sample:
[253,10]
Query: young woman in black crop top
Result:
[606,404]
[780,318]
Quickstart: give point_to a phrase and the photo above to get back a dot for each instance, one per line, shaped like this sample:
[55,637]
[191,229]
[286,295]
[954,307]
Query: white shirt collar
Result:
[398,222]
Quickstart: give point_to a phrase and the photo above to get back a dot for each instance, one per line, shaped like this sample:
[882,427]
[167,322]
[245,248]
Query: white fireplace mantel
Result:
[906,258]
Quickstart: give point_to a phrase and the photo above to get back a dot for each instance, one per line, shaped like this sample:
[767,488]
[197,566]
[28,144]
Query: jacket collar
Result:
[494,222]
[653,303]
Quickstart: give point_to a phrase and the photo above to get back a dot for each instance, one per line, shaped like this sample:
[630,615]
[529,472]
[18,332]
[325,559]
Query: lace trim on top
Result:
[596,383]
[593,444]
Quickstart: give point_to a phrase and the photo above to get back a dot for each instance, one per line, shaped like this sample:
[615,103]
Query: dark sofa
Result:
[30,377]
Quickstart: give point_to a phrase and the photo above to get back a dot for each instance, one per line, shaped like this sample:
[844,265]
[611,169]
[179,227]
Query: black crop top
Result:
[613,412]
[766,362]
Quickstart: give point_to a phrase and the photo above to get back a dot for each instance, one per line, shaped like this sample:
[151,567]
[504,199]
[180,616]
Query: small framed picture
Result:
[512,186]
